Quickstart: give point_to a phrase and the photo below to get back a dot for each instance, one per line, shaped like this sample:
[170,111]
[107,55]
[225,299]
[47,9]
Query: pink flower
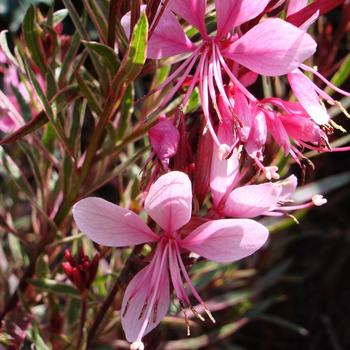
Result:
[164,138]
[169,204]
[272,47]
[249,201]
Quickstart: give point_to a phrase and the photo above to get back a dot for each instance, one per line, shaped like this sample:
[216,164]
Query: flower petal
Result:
[223,174]
[305,92]
[251,201]
[273,47]
[169,201]
[288,188]
[109,224]
[168,38]
[232,13]
[295,5]
[193,11]
[138,291]
[226,240]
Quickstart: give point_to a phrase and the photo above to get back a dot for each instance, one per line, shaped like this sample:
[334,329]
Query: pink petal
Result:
[226,240]
[288,188]
[169,201]
[251,201]
[305,92]
[111,225]
[164,138]
[232,13]
[131,321]
[273,47]
[295,6]
[193,11]
[257,136]
[168,38]
[277,130]
[222,174]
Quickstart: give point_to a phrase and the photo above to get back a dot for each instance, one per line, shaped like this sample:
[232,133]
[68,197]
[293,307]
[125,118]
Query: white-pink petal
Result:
[252,200]
[295,6]
[111,225]
[223,174]
[272,48]
[169,201]
[232,13]
[137,294]
[226,240]
[304,90]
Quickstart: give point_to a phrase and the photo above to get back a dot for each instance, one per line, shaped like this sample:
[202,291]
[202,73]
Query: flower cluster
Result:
[249,43]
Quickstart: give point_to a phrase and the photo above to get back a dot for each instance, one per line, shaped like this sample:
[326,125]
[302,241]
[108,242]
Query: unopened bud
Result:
[164,138]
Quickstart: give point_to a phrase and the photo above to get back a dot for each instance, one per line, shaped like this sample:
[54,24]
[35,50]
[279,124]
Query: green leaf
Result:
[32,39]
[47,107]
[126,110]
[108,57]
[55,287]
[36,338]
[136,55]
[59,16]
[5,47]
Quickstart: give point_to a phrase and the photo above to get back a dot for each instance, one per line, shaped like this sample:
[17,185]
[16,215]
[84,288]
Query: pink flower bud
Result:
[164,139]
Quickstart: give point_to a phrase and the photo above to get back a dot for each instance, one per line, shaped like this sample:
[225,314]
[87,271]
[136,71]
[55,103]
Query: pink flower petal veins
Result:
[169,201]
[146,299]
[251,201]
[226,240]
[232,13]
[111,225]
[273,47]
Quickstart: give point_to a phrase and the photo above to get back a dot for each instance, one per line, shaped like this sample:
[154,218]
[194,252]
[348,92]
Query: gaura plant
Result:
[203,120]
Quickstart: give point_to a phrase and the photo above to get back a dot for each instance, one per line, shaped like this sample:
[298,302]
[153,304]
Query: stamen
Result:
[212,319]
[294,218]
[337,126]
[193,290]
[182,304]
[198,315]
[342,108]
[314,71]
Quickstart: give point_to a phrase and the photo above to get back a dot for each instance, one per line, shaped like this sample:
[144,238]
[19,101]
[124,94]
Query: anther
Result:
[212,319]
[195,312]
